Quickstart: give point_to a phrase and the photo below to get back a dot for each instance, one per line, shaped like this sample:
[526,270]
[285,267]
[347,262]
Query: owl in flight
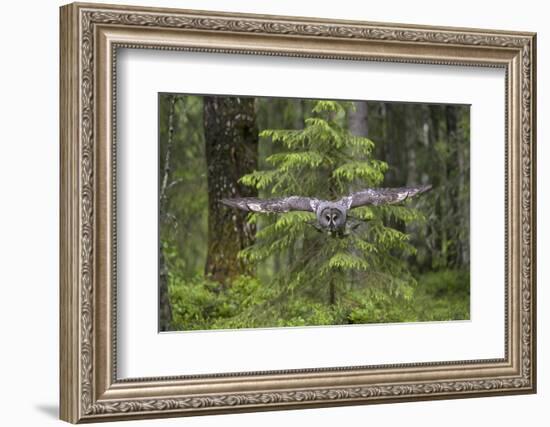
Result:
[332,216]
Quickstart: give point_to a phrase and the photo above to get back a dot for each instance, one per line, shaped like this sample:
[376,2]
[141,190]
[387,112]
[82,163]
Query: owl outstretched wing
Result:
[383,196]
[276,205]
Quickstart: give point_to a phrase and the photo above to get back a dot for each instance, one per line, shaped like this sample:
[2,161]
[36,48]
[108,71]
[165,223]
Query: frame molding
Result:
[90,36]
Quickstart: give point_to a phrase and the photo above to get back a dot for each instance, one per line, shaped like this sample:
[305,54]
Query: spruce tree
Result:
[329,280]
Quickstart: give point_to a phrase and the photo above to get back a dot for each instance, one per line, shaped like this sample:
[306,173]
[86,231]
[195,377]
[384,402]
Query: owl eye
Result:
[327,217]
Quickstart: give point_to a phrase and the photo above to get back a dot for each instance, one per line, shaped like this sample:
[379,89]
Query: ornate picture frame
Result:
[90,37]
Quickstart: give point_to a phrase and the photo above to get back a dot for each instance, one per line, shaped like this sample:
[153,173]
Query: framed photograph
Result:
[266,212]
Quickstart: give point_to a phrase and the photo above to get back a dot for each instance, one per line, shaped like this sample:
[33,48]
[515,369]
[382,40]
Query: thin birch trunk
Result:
[165,307]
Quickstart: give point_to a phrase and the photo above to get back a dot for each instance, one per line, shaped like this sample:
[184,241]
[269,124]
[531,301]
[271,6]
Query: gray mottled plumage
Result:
[331,215]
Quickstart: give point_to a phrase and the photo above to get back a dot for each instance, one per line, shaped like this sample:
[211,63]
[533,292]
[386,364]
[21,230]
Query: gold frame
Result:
[90,36]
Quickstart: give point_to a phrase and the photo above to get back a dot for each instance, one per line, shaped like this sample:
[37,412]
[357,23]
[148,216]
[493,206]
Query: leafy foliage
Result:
[199,303]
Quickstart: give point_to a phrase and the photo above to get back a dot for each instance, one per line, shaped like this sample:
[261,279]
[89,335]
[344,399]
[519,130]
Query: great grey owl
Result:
[332,216]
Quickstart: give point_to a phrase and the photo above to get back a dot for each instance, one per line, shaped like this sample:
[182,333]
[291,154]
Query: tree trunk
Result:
[463,170]
[443,203]
[393,145]
[358,124]
[428,140]
[165,308]
[231,139]
[411,134]
[451,120]
[358,119]
[332,292]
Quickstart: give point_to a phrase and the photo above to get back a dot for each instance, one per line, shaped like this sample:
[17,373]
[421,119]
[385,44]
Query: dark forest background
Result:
[221,268]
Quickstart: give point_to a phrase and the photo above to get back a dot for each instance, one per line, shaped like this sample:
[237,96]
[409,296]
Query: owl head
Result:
[331,216]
